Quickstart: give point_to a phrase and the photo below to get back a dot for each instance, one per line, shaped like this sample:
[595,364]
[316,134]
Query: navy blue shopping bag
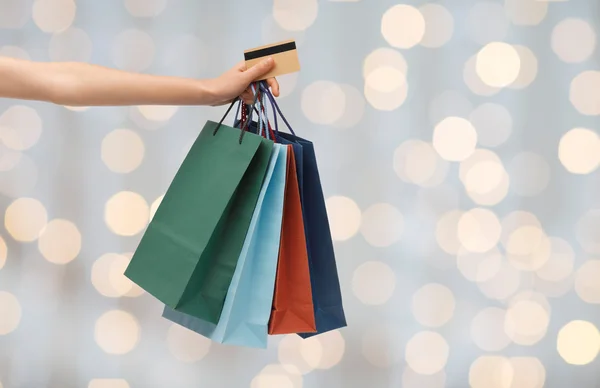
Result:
[327,296]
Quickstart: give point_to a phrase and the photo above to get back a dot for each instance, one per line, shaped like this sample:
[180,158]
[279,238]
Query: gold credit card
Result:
[284,54]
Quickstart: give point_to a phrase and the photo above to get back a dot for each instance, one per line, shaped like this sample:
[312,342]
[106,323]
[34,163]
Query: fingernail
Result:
[269,60]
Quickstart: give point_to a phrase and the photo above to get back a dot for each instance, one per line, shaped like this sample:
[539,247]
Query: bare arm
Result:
[82,84]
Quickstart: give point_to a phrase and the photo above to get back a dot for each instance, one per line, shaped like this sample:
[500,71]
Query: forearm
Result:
[81,84]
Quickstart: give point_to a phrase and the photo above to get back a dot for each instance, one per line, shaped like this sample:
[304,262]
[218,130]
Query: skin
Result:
[83,84]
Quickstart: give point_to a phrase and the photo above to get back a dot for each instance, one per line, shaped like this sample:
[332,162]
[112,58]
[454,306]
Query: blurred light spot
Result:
[145,8]
[122,151]
[333,345]
[384,57]
[516,220]
[498,64]
[386,101]
[303,356]
[427,353]
[385,79]
[446,233]
[504,284]
[487,330]
[530,174]
[108,383]
[18,174]
[126,213]
[487,22]
[403,26]
[479,230]
[71,45]
[295,15]
[572,30]
[415,161]
[53,15]
[382,345]
[473,82]
[344,217]
[528,295]
[493,124]
[484,177]
[382,225]
[449,103]
[158,112]
[578,342]
[157,202]
[526,322]
[277,376]
[433,305]
[323,102]
[373,282]
[13,51]
[186,345]
[20,127]
[117,332]
[454,138]
[10,313]
[585,93]
[15,14]
[60,241]
[526,12]
[587,285]
[587,231]
[296,356]
[108,277]
[528,69]
[25,218]
[354,107]
[529,372]
[411,379]
[579,150]
[437,200]
[133,50]
[528,248]
[479,267]
[560,264]
[439,25]
[3,252]
[491,372]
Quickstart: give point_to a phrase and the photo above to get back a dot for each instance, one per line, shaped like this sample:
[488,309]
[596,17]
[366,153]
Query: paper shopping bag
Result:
[189,252]
[245,316]
[293,309]
[326,292]
[327,296]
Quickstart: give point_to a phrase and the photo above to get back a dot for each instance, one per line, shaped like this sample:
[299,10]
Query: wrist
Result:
[207,92]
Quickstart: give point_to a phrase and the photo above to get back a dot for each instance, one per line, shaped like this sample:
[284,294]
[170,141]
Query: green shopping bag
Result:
[188,254]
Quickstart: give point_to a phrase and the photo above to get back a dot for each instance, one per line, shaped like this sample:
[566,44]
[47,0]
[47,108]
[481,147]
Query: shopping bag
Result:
[293,309]
[327,296]
[189,251]
[245,316]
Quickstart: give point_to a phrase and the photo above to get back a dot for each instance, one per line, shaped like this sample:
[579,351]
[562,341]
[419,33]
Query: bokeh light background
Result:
[459,151]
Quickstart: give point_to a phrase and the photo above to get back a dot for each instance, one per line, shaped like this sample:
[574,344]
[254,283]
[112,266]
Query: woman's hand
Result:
[236,83]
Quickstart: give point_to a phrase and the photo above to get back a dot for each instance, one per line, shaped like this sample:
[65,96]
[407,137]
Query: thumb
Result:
[258,70]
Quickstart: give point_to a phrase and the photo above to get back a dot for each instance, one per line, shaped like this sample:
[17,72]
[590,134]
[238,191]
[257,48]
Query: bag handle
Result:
[245,125]
[265,89]
[263,117]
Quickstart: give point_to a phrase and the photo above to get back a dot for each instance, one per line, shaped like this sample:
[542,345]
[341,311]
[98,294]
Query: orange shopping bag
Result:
[293,310]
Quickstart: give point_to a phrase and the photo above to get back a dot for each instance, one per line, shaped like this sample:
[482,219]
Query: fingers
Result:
[274,85]
[258,70]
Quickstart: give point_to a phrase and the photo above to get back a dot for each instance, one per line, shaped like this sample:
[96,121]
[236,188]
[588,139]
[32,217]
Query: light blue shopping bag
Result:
[245,317]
